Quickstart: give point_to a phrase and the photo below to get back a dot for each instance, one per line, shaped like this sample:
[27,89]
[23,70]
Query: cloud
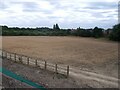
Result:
[68,13]
[102,5]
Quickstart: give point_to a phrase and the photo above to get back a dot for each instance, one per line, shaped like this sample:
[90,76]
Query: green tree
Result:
[57,27]
[54,27]
[115,34]
[97,32]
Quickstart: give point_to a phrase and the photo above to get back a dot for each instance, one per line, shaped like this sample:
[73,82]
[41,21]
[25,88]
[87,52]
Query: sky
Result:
[67,13]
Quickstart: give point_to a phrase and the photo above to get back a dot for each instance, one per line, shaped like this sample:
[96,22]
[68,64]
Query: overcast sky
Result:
[67,13]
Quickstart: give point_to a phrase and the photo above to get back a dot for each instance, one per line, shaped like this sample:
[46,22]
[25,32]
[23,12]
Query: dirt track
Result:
[94,76]
[77,79]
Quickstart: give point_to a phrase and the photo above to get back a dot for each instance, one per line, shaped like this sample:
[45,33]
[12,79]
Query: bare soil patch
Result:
[91,54]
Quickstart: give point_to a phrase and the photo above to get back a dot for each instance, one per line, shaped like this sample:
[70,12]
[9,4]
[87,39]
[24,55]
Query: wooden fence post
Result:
[55,68]
[10,55]
[15,57]
[2,54]
[21,57]
[67,71]
[36,63]
[28,60]
[6,54]
[45,65]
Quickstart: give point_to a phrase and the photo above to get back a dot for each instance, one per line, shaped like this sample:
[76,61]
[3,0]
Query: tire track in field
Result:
[107,80]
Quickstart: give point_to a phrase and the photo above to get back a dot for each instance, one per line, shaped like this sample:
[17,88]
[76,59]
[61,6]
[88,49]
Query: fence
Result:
[36,62]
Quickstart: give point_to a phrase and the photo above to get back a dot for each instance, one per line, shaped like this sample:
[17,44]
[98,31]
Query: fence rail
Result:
[35,62]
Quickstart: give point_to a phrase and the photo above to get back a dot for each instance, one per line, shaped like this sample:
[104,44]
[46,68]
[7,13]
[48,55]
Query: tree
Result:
[83,32]
[97,32]
[4,27]
[56,27]
[115,34]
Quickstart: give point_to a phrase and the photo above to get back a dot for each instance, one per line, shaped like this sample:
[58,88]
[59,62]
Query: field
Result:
[94,55]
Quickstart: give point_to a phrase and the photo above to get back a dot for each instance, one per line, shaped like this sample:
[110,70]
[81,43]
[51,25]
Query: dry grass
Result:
[63,50]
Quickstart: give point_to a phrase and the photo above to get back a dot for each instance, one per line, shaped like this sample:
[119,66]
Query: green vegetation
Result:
[56,27]
[97,32]
[115,34]
[112,34]
[44,31]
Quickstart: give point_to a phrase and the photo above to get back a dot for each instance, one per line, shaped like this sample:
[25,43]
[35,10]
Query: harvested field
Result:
[95,55]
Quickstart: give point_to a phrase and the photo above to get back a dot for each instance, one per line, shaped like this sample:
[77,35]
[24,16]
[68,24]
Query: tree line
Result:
[111,33]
